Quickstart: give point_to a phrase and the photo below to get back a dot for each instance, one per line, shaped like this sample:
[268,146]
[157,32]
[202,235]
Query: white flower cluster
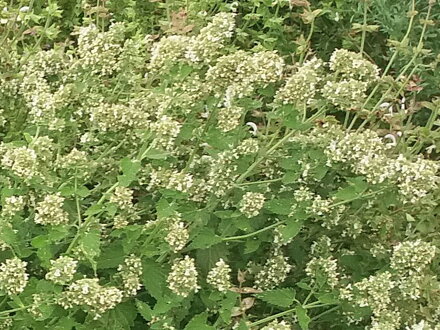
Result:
[44,100]
[352,65]
[99,51]
[182,279]
[347,94]
[374,292]
[277,325]
[21,161]
[88,294]
[177,233]
[74,159]
[219,276]
[366,154]
[211,39]
[274,272]
[166,130]
[3,245]
[228,118]
[122,197]
[50,211]
[130,273]
[222,173]
[13,276]
[37,303]
[301,87]
[412,256]
[62,270]
[410,260]
[248,147]
[13,205]
[238,74]
[117,117]
[170,179]
[251,204]
[201,48]
[319,268]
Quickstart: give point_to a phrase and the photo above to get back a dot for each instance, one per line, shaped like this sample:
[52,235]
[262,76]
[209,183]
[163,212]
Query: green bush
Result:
[190,180]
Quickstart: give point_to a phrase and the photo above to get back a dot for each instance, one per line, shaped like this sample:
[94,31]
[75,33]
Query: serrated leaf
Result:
[327,298]
[359,184]
[153,278]
[304,286]
[290,230]
[82,191]
[129,171]
[205,238]
[156,154]
[144,309]
[303,318]
[346,194]
[112,256]
[94,209]
[198,322]
[281,206]
[279,297]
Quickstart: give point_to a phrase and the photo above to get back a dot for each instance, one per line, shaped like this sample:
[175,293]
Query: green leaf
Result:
[198,322]
[156,154]
[40,241]
[303,318]
[8,235]
[112,256]
[290,177]
[129,171]
[206,258]
[164,208]
[205,238]
[359,184]
[153,278]
[90,243]
[82,191]
[290,230]
[144,309]
[227,214]
[94,209]
[282,206]
[279,297]
[328,298]
[346,194]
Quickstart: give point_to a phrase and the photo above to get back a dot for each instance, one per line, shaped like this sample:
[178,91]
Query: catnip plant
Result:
[182,183]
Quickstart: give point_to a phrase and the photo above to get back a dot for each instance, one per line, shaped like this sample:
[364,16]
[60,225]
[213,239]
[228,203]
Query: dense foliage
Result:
[219,165]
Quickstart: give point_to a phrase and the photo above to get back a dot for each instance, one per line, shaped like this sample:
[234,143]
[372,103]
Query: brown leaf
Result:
[236,311]
[241,276]
[300,3]
[413,84]
[179,22]
[31,31]
[247,303]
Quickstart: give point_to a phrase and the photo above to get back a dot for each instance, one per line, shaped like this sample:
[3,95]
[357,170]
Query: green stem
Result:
[324,313]
[388,67]
[274,225]
[364,26]
[13,310]
[272,317]
[240,237]
[309,37]
[89,218]
[259,182]
[78,208]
